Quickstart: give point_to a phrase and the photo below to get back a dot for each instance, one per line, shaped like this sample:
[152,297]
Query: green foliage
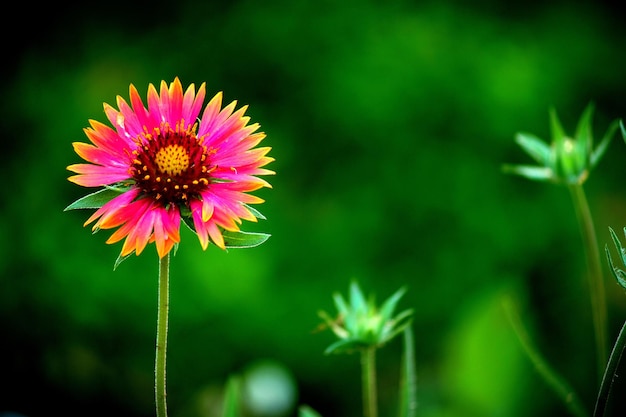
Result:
[96,199]
[235,239]
[618,273]
[232,397]
[243,239]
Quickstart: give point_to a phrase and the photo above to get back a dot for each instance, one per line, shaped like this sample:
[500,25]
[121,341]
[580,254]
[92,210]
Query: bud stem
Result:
[594,273]
[368,369]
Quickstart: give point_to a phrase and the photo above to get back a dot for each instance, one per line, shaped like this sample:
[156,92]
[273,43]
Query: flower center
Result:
[171,165]
[172,160]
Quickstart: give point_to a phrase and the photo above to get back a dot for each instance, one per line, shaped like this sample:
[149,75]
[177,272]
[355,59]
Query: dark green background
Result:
[389,122]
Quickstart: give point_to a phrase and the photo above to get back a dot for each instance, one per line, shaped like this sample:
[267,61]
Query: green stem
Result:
[408,400]
[609,374]
[368,369]
[554,380]
[161,345]
[596,283]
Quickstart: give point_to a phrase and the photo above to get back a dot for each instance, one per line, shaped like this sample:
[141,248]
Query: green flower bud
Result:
[360,324]
[566,160]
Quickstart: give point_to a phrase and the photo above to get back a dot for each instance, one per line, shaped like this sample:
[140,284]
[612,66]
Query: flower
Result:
[566,160]
[165,163]
[360,324]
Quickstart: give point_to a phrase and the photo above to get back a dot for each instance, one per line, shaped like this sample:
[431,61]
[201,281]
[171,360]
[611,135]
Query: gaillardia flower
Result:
[169,162]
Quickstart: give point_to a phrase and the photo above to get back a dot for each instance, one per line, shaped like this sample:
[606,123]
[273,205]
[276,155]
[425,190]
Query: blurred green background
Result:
[389,122]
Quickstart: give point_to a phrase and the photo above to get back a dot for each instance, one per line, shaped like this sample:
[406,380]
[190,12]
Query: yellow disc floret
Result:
[172,160]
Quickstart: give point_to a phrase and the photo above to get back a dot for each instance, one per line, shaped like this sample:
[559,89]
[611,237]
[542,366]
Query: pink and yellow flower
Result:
[172,162]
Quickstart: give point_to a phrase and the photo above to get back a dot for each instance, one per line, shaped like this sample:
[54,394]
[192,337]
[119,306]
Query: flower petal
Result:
[96,175]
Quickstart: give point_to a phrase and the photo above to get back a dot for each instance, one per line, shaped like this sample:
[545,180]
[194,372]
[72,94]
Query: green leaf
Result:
[188,222]
[243,239]
[357,300]
[121,259]
[618,245]
[397,329]
[408,377]
[531,172]
[306,411]
[340,303]
[232,397]
[618,273]
[604,143]
[556,130]
[584,134]
[95,200]
[333,324]
[345,345]
[234,239]
[256,213]
[535,147]
[621,126]
[386,310]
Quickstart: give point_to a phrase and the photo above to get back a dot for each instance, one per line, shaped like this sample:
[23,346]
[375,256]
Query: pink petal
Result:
[110,214]
[104,137]
[191,106]
[216,235]
[96,176]
[143,117]
[164,102]
[96,155]
[154,106]
[175,106]
[131,122]
[199,224]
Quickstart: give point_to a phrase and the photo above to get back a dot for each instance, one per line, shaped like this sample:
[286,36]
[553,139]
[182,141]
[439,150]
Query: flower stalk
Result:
[368,369]
[161,342]
[557,383]
[610,373]
[594,269]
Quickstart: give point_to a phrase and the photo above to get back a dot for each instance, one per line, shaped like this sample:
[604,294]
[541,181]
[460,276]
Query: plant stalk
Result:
[596,283]
[558,384]
[368,369]
[609,374]
[161,342]
[408,380]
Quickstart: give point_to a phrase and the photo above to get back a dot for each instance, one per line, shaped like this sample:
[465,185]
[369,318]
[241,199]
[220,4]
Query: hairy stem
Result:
[161,343]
